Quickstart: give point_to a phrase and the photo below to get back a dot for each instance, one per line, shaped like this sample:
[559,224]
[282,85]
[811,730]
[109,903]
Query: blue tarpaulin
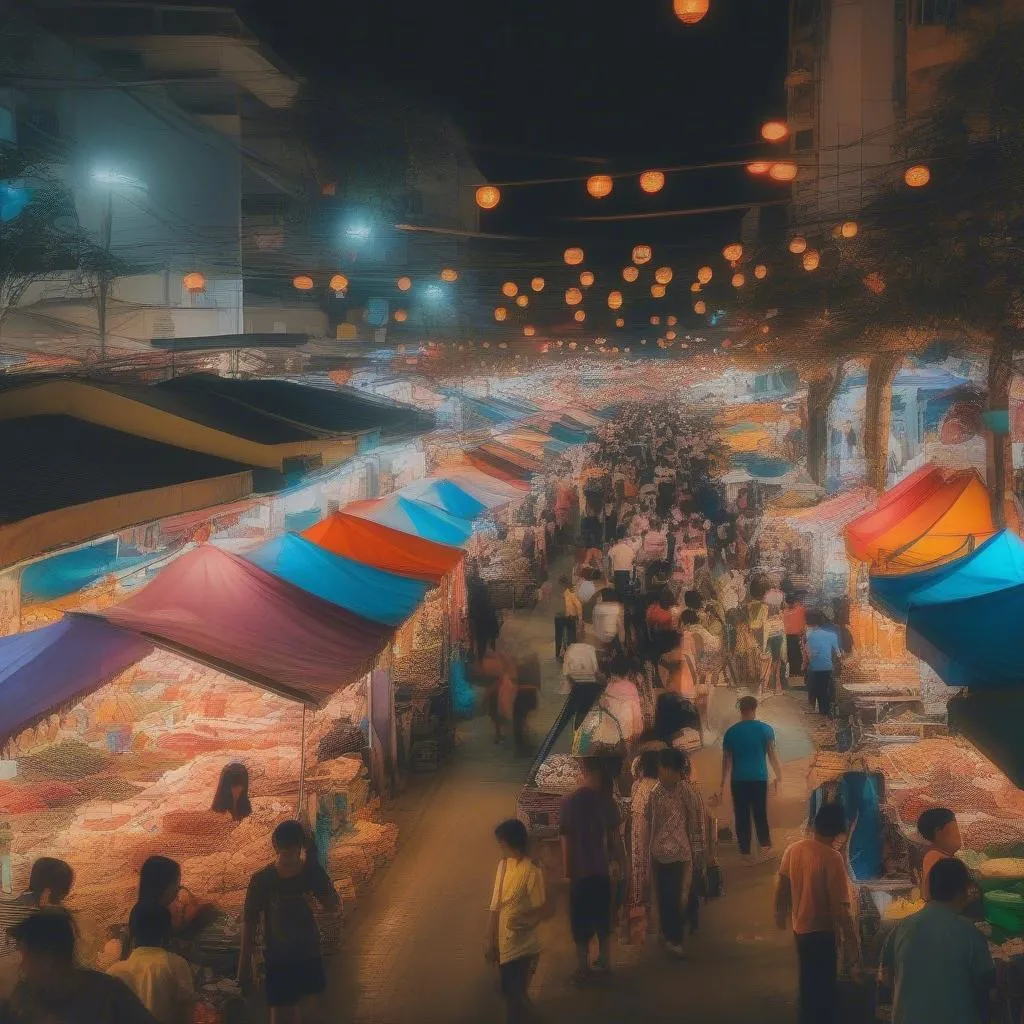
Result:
[415,517]
[761,467]
[49,667]
[70,571]
[366,591]
[860,795]
[563,432]
[445,495]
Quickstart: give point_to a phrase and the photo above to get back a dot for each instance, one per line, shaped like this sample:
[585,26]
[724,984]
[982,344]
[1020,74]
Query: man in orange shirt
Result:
[813,892]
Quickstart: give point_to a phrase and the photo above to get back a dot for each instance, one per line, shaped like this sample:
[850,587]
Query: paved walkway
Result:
[413,951]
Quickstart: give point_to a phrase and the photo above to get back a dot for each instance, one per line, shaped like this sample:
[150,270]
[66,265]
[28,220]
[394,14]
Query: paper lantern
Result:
[812,259]
[849,229]
[194,282]
[774,131]
[339,283]
[522,301]
[671,321]
[537,284]
[663,275]
[695,287]
[449,274]
[488,197]
[759,167]
[658,291]
[401,316]
[619,322]
[917,176]
[705,274]
[586,279]
[529,331]
[689,12]
[652,181]
[573,297]
[599,185]
[738,280]
[784,170]
[404,284]
[630,274]
[573,256]
[733,252]
[302,283]
[760,271]
[509,289]
[700,307]
[655,320]
[797,245]
[500,313]
[579,316]
[642,254]
[615,300]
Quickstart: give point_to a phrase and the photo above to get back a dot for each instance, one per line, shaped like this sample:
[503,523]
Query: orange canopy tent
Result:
[931,517]
[502,462]
[383,548]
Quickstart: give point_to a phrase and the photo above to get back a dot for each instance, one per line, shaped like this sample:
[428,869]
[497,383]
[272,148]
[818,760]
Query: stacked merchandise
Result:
[510,570]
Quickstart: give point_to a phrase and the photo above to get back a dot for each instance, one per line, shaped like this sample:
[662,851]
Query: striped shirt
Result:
[675,824]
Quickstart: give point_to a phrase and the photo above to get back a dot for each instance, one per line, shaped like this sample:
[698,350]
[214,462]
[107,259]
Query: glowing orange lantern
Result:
[738,280]
[401,316]
[700,307]
[849,229]
[695,287]
[655,320]
[404,284]
[339,283]
[759,167]
[573,256]
[488,197]
[774,131]
[302,283]
[620,322]
[599,185]
[812,259]
[500,313]
[522,301]
[652,181]
[689,12]
[663,275]
[784,170]
[449,275]
[917,176]
[798,245]
[579,316]
[630,274]
[194,282]
[537,284]
[586,279]
[658,291]
[760,271]
[509,289]
[704,275]
[573,297]
[615,300]
[642,254]
[529,331]
[733,252]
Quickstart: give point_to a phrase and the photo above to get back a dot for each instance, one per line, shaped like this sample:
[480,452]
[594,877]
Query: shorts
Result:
[289,984]
[590,908]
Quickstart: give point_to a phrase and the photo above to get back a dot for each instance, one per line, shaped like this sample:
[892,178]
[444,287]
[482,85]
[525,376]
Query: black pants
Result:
[692,913]
[819,690]
[565,633]
[794,655]
[669,880]
[515,978]
[819,987]
[750,799]
[623,579]
[590,908]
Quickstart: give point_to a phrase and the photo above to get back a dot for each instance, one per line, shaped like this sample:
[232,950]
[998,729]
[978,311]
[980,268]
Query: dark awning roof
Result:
[991,719]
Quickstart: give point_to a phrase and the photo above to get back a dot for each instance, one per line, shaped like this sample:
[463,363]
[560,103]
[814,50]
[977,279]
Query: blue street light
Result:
[434,292]
[358,232]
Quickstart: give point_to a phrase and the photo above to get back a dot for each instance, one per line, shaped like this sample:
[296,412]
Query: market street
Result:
[413,948]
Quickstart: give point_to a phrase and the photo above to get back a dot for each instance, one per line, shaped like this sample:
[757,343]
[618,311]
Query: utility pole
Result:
[103,278]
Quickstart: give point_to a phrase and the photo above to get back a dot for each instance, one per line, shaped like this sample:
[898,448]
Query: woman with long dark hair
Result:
[232,796]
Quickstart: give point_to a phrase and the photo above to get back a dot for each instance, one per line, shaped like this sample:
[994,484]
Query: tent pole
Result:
[302,767]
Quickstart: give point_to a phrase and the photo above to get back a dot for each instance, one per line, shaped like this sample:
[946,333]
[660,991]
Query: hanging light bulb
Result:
[760,271]
[663,275]
[510,289]
[695,287]
[302,283]
[774,131]
[599,185]
[798,245]
[522,301]
[689,12]
[705,274]
[658,291]
[671,321]
[615,300]
[619,322]
[403,284]
[655,320]
[700,307]
[579,316]
[573,296]
[812,259]
[537,284]
[630,274]
[917,176]
[401,316]
[529,331]
[500,313]
[194,282]
[784,170]
[488,197]
[642,254]
[573,256]
[586,278]
[759,167]
[450,275]
[652,181]
[733,252]
[849,229]
[738,280]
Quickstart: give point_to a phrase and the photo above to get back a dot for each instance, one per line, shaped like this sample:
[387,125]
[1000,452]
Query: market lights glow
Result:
[573,296]
[579,316]
[615,300]
[917,176]
[338,283]
[705,274]
[302,283]
[403,284]
[630,274]
[194,281]
[663,275]
[774,131]
[488,197]
[759,167]
[784,170]
[689,12]
[812,259]
[642,254]
[652,181]
[500,313]
[760,271]
[733,252]
[449,275]
[522,301]
[510,289]
[537,284]
[586,278]
[599,185]
[573,256]
[797,245]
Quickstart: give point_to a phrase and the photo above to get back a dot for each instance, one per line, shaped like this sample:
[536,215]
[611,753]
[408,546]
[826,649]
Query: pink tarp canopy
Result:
[225,612]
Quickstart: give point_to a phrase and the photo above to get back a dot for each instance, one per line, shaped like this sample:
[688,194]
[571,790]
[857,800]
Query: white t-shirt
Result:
[580,663]
[585,590]
[609,621]
[161,980]
[518,887]
[621,557]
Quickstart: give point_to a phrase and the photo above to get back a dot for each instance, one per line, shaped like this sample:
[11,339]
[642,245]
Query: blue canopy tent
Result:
[762,467]
[70,571]
[415,517]
[995,564]
[564,432]
[46,668]
[369,592]
[445,495]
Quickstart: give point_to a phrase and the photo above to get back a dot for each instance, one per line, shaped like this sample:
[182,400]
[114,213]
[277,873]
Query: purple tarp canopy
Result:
[56,665]
[227,613]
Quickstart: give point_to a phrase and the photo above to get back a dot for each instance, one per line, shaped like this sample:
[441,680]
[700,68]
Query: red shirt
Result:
[659,618]
[795,620]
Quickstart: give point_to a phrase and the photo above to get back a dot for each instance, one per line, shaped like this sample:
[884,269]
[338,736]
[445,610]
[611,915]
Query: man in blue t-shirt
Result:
[747,748]
[824,652]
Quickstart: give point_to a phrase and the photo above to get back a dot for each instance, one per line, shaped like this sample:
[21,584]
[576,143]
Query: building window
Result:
[936,12]
[801,100]
[803,141]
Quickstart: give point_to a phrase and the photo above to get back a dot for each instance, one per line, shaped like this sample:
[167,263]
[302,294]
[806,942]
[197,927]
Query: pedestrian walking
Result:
[518,904]
[748,747]
[812,896]
[824,657]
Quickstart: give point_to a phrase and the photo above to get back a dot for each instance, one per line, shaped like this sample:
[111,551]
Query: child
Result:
[161,980]
[939,826]
[280,896]
[517,907]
